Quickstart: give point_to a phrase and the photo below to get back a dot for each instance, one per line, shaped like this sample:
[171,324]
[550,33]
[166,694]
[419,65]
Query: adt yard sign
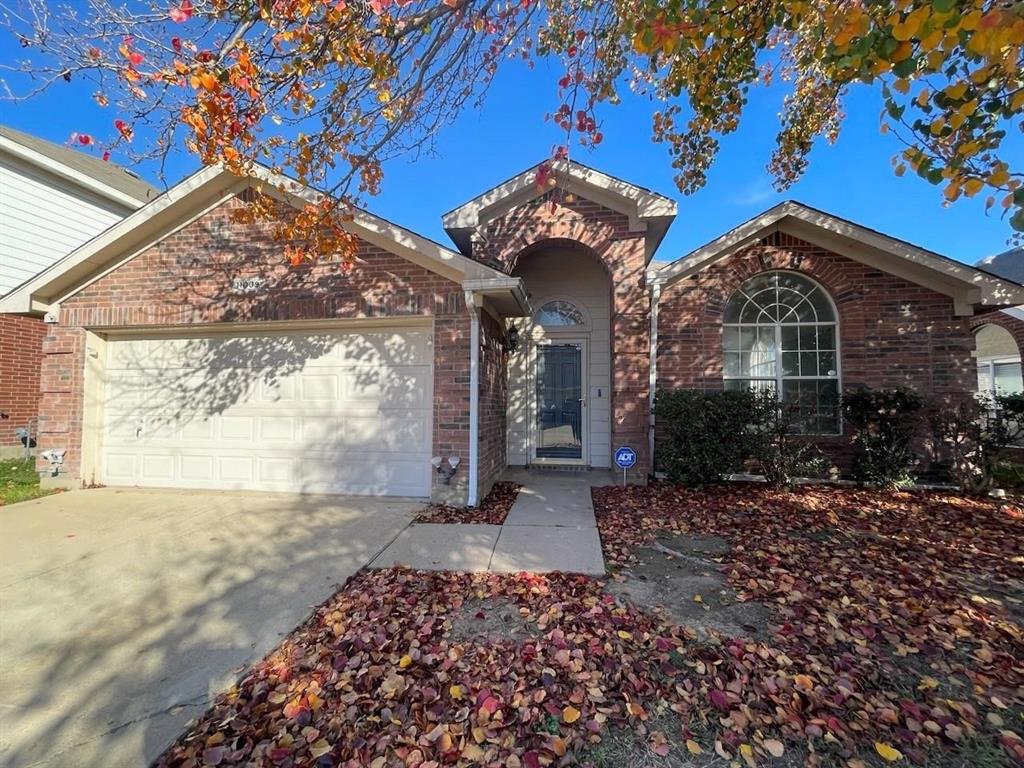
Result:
[625,457]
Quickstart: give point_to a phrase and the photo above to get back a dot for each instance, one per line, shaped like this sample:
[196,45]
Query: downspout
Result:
[474,396]
[655,302]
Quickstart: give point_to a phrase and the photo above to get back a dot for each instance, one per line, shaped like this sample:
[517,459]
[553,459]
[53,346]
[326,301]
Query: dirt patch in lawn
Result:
[682,577]
[661,742]
[489,620]
[491,511]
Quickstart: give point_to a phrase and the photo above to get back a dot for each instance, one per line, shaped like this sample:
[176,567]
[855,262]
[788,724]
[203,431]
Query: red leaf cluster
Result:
[492,510]
[894,631]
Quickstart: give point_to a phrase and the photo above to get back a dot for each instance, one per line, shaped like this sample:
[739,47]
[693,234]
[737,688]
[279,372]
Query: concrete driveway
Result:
[123,612]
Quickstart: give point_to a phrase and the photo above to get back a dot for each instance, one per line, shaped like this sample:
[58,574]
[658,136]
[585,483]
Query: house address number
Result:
[248,284]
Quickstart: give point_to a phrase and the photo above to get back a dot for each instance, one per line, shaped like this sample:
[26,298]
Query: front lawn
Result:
[19,481]
[833,628]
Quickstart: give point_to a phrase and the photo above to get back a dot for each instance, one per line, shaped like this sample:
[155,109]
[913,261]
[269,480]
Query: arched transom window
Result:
[559,313]
[779,333]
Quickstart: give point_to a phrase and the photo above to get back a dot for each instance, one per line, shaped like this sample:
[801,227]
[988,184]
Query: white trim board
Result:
[195,194]
[647,211]
[967,286]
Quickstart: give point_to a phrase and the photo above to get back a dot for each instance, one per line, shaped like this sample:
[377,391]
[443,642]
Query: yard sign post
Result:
[625,457]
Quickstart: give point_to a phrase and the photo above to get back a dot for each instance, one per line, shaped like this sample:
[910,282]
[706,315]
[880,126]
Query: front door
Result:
[561,408]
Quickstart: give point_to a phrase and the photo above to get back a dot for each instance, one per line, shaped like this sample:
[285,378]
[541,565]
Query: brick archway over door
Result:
[621,250]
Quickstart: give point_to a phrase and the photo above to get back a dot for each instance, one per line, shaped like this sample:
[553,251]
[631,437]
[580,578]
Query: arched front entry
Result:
[560,379]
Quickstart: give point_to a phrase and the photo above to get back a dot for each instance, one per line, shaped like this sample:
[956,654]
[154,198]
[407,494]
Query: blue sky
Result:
[852,179]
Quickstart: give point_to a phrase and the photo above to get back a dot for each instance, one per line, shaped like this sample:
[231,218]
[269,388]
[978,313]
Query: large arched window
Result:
[780,334]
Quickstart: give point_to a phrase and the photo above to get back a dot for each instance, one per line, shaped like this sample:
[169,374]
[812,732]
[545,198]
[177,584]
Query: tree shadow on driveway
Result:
[125,611]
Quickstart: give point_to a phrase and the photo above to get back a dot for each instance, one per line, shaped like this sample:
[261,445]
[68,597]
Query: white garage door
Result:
[315,412]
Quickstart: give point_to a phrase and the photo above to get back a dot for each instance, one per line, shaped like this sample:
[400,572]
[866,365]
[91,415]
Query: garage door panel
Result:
[395,433]
[346,412]
[197,468]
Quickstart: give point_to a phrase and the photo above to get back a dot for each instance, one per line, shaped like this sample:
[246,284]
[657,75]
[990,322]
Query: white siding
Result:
[44,217]
[562,274]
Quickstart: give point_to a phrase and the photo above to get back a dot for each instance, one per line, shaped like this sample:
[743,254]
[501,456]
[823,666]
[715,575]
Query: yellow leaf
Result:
[557,745]
[473,752]
[623,634]
[927,684]
[698,599]
[456,692]
[973,187]
[693,747]
[803,681]
[570,714]
[319,748]
[887,752]
[746,750]
[999,177]
[405,661]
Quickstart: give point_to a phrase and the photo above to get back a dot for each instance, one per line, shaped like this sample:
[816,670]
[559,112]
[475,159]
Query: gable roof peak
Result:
[969,287]
[647,210]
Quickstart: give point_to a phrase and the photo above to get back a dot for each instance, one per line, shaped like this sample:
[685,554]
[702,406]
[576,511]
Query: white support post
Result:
[653,372]
[474,397]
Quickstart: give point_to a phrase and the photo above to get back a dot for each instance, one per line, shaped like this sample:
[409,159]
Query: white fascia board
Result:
[512,287]
[970,285]
[628,199]
[96,253]
[383,233]
[81,179]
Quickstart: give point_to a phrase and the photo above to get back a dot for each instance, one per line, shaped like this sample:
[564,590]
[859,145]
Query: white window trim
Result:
[990,363]
[779,377]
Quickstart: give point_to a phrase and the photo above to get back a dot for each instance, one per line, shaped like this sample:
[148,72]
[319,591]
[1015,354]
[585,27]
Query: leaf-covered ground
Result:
[894,639]
[492,510]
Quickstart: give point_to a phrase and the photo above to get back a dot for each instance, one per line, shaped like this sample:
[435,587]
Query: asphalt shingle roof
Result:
[108,173]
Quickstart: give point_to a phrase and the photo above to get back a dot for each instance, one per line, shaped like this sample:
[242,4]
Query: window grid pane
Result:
[780,331]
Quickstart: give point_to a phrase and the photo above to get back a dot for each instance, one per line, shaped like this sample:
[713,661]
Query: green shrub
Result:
[704,436]
[976,431]
[886,422]
[776,443]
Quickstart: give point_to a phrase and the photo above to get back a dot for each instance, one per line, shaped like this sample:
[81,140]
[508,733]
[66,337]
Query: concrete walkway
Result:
[551,527]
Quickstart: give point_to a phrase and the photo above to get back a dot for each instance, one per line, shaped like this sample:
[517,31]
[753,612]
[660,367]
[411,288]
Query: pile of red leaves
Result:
[373,679]
[898,614]
[492,510]
[892,640]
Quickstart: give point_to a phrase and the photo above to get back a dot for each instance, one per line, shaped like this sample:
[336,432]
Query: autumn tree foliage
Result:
[327,90]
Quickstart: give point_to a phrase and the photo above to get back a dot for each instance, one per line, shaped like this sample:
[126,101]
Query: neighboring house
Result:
[186,353]
[1000,334]
[52,199]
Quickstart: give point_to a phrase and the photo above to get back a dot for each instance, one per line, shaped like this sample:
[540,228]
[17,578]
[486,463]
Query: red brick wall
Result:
[493,402]
[185,280]
[563,219]
[892,332]
[21,355]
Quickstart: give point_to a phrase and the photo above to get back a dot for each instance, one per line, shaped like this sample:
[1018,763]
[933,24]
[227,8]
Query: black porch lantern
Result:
[512,339]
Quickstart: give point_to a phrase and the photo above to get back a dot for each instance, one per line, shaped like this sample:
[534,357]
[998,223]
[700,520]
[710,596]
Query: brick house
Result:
[185,353]
[999,334]
[52,200]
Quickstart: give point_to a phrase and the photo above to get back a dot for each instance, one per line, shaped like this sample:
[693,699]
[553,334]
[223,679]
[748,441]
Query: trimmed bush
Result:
[886,422]
[976,432]
[704,436]
[777,445]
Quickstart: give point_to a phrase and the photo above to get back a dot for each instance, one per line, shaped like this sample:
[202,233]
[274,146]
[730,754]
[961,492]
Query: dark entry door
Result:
[560,402]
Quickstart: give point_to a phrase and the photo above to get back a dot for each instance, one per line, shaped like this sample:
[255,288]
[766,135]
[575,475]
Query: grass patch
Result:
[19,481]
